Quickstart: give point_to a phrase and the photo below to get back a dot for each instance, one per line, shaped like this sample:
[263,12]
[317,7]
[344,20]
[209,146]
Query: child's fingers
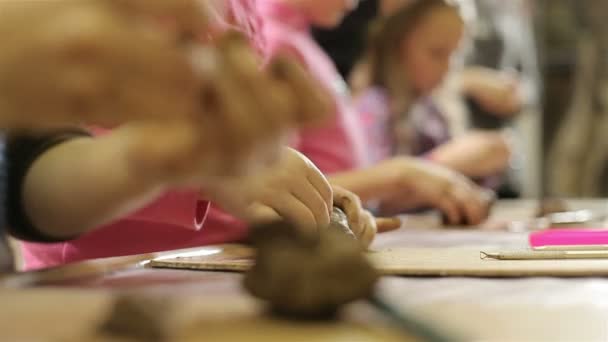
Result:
[314,103]
[483,199]
[449,208]
[387,224]
[292,209]
[368,229]
[361,221]
[237,130]
[306,193]
[260,123]
[255,86]
[488,197]
[351,205]
[321,184]
[472,208]
[261,214]
[233,156]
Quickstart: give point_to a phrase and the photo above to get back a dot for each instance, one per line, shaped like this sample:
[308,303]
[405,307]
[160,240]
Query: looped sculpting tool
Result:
[573,243]
[544,255]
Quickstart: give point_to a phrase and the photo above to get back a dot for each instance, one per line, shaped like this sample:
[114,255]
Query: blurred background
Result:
[559,47]
[572,40]
[558,50]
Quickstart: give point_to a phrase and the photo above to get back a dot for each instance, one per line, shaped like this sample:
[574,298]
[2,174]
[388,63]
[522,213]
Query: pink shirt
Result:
[173,221]
[373,106]
[340,144]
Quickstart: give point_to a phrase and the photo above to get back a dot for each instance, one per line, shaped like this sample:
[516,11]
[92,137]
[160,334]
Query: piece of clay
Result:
[138,317]
[308,276]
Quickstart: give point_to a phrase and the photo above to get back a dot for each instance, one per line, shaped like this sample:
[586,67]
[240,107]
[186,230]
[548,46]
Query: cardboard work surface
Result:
[66,304]
[404,261]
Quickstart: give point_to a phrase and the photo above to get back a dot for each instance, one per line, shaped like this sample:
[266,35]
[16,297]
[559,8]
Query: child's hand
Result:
[495,91]
[412,183]
[360,221]
[294,190]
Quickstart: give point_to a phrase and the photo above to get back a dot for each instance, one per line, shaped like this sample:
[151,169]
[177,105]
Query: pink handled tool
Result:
[569,237]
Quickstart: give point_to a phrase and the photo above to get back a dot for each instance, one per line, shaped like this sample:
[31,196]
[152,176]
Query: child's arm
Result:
[495,91]
[85,182]
[67,187]
[76,184]
[476,154]
[407,183]
[360,221]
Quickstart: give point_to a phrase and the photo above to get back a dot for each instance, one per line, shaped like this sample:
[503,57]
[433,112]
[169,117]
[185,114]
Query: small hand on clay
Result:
[293,190]
[360,221]
[414,183]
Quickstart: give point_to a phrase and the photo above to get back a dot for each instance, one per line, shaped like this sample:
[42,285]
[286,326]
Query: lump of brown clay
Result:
[138,317]
[309,276]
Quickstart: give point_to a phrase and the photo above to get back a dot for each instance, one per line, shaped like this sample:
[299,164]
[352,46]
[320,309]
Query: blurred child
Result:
[65,184]
[409,56]
[339,148]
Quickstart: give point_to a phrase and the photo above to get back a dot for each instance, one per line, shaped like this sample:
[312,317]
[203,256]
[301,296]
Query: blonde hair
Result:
[383,65]
[383,53]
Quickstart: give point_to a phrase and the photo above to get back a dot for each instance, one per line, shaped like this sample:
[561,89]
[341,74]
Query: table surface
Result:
[524,309]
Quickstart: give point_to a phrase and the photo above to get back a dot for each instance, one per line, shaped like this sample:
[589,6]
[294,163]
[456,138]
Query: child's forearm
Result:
[369,184]
[458,164]
[488,160]
[83,183]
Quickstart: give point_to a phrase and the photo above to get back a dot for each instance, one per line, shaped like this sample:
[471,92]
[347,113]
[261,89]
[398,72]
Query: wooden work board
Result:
[402,261]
